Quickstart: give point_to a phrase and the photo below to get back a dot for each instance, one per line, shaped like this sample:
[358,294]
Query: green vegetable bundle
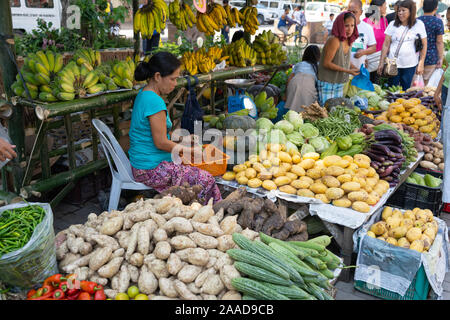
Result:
[17,226]
[283,270]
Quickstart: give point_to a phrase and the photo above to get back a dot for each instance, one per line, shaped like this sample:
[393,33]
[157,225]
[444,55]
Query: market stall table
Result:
[340,222]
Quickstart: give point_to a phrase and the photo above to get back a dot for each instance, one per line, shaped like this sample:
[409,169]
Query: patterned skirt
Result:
[328,90]
[168,174]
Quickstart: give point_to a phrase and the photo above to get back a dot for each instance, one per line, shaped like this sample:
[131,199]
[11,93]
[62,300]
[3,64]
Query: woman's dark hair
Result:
[163,62]
[237,35]
[312,56]
[411,6]
[430,5]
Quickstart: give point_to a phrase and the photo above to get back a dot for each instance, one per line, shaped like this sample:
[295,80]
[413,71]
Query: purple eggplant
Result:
[388,178]
[387,163]
[376,157]
[388,135]
[395,149]
[387,171]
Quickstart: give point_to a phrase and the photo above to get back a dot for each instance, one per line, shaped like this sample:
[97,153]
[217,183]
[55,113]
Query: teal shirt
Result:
[143,152]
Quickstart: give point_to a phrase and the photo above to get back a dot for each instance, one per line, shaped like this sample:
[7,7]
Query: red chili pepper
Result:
[58,294]
[84,296]
[43,297]
[99,295]
[73,294]
[63,286]
[89,286]
[54,280]
[31,293]
[47,288]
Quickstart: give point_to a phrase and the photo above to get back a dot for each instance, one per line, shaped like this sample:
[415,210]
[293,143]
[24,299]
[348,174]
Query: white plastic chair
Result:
[122,176]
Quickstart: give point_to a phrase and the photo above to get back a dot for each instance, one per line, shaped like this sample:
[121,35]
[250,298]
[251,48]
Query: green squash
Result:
[239,122]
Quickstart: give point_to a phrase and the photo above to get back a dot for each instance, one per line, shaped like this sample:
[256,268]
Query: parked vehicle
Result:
[320,11]
[26,12]
[276,8]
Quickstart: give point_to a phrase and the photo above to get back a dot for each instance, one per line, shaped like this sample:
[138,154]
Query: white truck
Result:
[26,12]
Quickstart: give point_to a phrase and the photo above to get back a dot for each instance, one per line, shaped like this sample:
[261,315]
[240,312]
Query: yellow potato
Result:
[371,172]
[288,189]
[291,176]
[318,187]
[263,155]
[348,158]
[351,186]
[274,147]
[296,158]
[248,164]
[331,160]
[274,161]
[286,166]
[372,182]
[319,164]
[344,178]
[368,188]
[334,193]
[331,182]
[372,200]
[277,171]
[264,175]
[353,166]
[285,157]
[342,163]
[250,173]
[362,172]
[298,170]
[281,181]
[300,184]
[361,195]
[314,173]
[342,202]
[258,167]
[322,197]
[253,158]
[254,183]
[334,171]
[361,181]
[242,180]
[239,167]
[361,206]
[240,174]
[311,155]
[267,164]
[269,185]
[229,176]
[307,164]
[308,179]
[305,193]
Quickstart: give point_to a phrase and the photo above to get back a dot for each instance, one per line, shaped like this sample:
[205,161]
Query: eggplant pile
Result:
[386,154]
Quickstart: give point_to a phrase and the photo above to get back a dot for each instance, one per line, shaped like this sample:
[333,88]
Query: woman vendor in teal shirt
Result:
[151,148]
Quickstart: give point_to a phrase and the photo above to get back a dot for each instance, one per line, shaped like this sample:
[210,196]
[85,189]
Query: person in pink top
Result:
[376,18]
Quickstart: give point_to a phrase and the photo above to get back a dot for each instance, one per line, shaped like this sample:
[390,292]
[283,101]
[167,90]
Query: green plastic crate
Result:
[418,290]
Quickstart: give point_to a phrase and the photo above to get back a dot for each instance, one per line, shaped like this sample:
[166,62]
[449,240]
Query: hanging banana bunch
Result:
[181,15]
[216,54]
[240,54]
[268,50]
[212,20]
[151,17]
[39,72]
[198,62]
[250,21]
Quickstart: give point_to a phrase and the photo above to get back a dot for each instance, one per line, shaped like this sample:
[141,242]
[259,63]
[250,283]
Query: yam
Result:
[162,250]
[143,240]
[204,241]
[134,273]
[201,278]
[160,235]
[111,268]
[178,224]
[174,264]
[183,242]
[225,242]
[112,226]
[232,295]
[99,258]
[167,287]
[228,273]
[213,285]
[183,291]
[228,224]
[159,268]
[188,273]
[136,259]
[198,257]
[147,282]
[207,229]
[204,213]
[106,241]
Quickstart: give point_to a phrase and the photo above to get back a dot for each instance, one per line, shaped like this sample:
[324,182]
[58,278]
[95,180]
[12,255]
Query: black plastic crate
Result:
[410,195]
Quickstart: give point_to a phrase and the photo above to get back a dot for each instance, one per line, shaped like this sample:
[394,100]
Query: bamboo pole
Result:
[63,178]
[63,193]
[8,73]
[70,142]
[65,107]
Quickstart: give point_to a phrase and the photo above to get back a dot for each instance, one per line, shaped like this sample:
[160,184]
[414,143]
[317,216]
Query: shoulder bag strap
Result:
[401,42]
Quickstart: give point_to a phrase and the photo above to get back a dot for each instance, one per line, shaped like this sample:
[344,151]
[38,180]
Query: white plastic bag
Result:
[435,78]
[418,82]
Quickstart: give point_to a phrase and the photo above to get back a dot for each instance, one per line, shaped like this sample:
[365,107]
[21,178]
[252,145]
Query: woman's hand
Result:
[353,71]
[438,101]
[6,150]
[420,68]
[380,69]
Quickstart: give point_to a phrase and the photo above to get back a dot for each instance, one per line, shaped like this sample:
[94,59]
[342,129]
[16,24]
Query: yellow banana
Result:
[96,88]
[42,78]
[40,68]
[51,60]
[59,62]
[137,21]
[43,59]
[66,87]
[90,79]
[65,96]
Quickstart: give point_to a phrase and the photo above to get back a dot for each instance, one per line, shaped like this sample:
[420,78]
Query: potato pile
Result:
[412,113]
[167,249]
[434,157]
[426,92]
[343,181]
[412,229]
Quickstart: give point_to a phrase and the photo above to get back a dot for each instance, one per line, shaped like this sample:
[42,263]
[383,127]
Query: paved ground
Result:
[68,213]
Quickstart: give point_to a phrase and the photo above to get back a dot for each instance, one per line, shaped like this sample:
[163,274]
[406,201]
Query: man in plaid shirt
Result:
[299,18]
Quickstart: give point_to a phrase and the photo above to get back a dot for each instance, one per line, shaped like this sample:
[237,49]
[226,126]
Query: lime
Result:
[141,296]
[122,296]
[133,291]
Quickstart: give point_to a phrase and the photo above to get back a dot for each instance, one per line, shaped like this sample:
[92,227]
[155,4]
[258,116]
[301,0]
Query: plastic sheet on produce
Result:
[36,260]
[386,266]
